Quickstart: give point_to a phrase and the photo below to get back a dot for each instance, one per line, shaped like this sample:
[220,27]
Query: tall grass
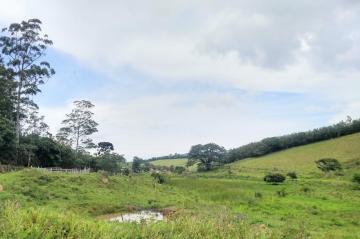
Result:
[16,222]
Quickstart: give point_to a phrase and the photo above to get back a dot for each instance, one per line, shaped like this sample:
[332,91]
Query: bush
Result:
[292,175]
[356,178]
[274,178]
[158,178]
[258,194]
[328,164]
[125,172]
[281,193]
[179,169]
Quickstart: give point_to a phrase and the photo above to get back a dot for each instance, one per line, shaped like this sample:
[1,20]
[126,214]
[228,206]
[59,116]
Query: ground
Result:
[230,202]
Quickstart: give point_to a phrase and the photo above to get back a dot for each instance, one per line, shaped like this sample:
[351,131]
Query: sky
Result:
[165,75]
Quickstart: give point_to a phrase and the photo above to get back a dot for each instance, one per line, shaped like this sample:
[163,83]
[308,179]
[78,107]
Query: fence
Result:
[67,170]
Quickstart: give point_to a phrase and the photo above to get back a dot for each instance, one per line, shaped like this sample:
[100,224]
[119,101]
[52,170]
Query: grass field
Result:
[302,159]
[230,202]
[170,162]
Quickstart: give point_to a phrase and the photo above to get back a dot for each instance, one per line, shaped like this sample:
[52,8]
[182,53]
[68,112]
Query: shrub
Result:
[306,189]
[158,178]
[179,169]
[274,178]
[281,193]
[258,194]
[292,175]
[356,178]
[125,172]
[328,164]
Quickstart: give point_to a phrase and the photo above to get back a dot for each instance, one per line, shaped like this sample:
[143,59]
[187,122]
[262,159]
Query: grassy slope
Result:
[301,159]
[170,162]
[93,194]
[325,206]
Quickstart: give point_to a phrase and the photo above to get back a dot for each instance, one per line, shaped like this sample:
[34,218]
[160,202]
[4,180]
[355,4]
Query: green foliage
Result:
[179,169]
[136,165]
[7,141]
[110,162]
[292,175]
[24,45]
[43,223]
[270,145]
[274,178]
[281,193]
[328,164]
[104,147]
[208,156]
[356,178]
[158,178]
[78,125]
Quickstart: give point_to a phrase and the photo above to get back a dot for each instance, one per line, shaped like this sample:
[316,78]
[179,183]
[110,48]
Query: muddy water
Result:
[141,216]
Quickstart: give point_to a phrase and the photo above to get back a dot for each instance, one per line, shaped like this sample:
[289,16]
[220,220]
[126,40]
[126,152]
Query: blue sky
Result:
[166,75]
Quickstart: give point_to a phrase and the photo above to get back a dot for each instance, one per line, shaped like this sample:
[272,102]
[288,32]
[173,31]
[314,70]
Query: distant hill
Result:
[302,158]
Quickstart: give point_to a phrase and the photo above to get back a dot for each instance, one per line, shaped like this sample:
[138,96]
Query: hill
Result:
[170,162]
[230,202]
[301,159]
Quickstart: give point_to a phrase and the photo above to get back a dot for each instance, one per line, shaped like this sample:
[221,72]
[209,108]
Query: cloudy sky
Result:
[165,75]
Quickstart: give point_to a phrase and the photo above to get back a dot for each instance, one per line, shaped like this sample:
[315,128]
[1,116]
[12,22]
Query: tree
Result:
[7,87]
[33,123]
[328,164]
[7,130]
[23,46]
[78,126]
[104,147]
[136,164]
[208,156]
[7,141]
[274,178]
[110,162]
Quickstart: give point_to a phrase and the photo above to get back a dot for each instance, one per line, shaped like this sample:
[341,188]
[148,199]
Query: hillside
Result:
[301,159]
[230,202]
[170,162]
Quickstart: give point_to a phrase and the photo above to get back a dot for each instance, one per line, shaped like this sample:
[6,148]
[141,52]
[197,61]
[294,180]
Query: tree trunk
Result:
[77,142]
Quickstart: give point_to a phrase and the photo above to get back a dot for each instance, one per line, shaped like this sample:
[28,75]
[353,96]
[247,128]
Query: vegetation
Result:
[219,201]
[328,164]
[292,175]
[274,178]
[274,144]
[356,178]
[207,156]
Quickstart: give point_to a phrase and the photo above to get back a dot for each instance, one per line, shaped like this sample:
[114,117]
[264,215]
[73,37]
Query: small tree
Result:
[274,178]
[208,156]
[136,164]
[104,147]
[328,164]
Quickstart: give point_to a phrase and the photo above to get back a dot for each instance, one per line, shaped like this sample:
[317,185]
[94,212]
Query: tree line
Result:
[211,155]
[25,139]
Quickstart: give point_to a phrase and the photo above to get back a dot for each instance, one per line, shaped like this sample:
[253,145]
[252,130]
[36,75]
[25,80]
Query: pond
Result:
[141,216]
